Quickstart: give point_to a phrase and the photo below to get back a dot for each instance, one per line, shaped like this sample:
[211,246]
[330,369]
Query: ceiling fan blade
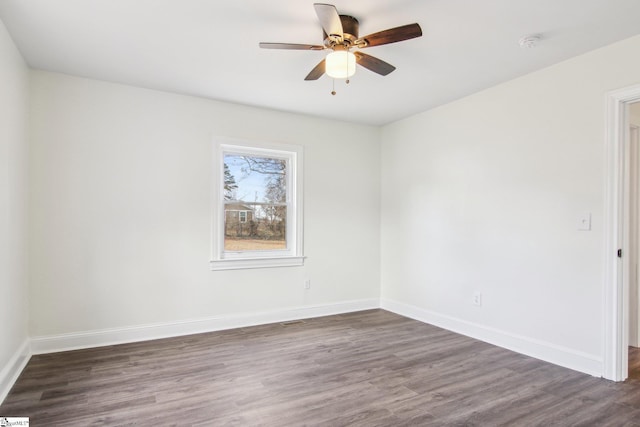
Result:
[292,46]
[391,35]
[329,19]
[374,64]
[317,72]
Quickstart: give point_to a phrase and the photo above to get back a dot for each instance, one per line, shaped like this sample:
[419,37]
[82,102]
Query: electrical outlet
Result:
[477,299]
[307,284]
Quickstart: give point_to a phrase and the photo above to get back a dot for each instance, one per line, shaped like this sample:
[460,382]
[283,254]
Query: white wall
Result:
[120,209]
[484,194]
[14,95]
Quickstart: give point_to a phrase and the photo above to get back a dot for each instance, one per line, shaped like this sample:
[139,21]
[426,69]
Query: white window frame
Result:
[293,254]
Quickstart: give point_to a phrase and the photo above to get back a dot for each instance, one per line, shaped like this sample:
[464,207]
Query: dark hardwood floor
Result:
[371,368]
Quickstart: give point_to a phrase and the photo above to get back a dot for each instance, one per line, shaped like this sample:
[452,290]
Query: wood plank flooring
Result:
[370,368]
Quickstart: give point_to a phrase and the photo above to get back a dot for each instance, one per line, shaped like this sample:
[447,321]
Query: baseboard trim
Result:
[558,355]
[106,337]
[10,373]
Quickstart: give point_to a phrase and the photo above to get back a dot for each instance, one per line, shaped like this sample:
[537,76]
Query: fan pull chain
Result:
[333,92]
[346,58]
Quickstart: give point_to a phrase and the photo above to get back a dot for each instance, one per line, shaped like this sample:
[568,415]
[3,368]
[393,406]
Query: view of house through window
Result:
[255,202]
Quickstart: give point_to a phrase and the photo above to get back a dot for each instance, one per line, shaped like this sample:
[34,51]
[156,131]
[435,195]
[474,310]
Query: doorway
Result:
[620,231]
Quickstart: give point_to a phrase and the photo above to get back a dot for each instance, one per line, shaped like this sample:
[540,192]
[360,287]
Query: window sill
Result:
[240,264]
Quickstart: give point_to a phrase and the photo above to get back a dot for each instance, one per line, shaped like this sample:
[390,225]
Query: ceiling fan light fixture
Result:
[340,64]
[340,33]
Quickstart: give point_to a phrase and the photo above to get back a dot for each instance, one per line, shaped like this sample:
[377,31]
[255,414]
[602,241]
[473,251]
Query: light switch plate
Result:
[584,221]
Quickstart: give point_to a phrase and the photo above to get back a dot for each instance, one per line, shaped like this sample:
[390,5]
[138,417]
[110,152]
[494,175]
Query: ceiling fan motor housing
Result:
[350,29]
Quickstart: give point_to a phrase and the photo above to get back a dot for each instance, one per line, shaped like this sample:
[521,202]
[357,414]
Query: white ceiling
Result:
[209,48]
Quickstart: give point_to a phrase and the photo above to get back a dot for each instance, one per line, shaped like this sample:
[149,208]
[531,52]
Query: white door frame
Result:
[634,192]
[616,223]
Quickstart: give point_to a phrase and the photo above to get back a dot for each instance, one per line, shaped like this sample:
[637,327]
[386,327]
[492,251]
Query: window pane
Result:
[255,179]
[255,203]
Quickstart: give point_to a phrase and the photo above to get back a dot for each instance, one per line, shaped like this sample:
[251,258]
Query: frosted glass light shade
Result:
[340,64]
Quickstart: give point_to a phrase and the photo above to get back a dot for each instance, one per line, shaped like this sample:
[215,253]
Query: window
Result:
[257,212]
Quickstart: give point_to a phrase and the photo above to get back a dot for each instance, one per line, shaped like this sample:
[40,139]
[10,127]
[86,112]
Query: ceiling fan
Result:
[340,35]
